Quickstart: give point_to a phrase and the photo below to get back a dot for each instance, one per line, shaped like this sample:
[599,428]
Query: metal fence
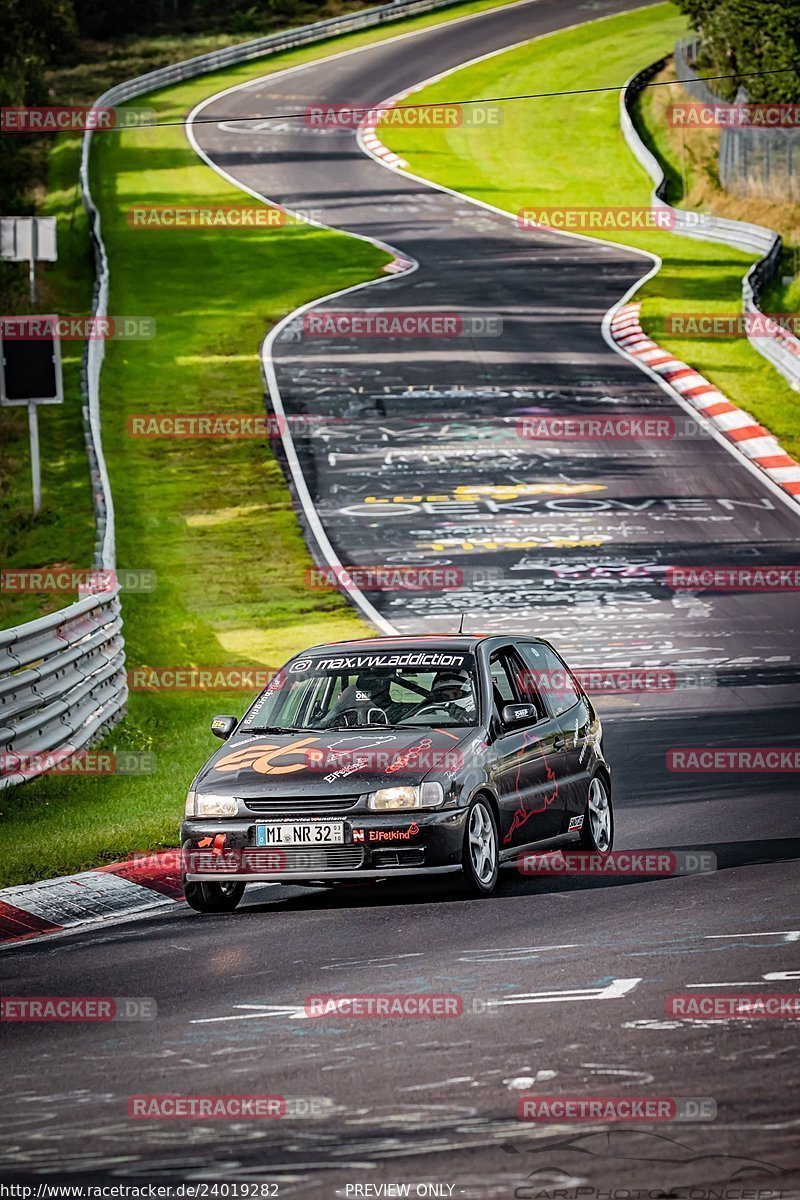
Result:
[760,162]
[782,349]
[62,685]
[62,677]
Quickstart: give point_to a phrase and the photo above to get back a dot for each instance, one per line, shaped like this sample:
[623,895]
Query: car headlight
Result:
[210,806]
[424,795]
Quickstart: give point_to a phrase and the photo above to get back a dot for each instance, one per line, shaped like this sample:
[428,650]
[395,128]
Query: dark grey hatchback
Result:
[398,757]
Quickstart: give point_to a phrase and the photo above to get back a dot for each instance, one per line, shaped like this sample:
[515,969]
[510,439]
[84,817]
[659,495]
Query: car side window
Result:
[507,672]
[502,687]
[551,678]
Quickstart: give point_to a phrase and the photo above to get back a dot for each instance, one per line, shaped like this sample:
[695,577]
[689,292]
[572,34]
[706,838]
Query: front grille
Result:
[399,858]
[276,859]
[299,806]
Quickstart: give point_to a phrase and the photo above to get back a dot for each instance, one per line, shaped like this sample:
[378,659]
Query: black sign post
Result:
[30,374]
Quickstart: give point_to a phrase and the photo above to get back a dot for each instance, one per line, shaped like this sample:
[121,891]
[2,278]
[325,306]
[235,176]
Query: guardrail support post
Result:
[36,467]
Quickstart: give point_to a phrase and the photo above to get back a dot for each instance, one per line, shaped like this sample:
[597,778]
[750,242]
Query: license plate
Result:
[306,833]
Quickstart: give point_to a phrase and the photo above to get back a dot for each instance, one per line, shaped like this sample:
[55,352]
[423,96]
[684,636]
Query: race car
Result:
[398,756]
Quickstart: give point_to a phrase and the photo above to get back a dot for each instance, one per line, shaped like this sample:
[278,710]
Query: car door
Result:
[527,760]
[569,710]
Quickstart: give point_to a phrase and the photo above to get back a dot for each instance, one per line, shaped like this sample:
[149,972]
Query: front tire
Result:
[480,860]
[597,833]
[213,897]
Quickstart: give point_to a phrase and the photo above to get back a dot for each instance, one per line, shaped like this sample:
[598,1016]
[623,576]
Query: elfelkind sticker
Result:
[393,835]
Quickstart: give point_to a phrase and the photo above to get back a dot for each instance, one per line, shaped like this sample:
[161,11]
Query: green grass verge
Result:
[64,529]
[570,151]
[212,518]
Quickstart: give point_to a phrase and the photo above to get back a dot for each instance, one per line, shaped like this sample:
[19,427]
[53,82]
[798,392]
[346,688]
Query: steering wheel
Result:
[424,710]
[373,714]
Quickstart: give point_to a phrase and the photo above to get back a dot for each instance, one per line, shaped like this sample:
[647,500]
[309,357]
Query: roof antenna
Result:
[461,623]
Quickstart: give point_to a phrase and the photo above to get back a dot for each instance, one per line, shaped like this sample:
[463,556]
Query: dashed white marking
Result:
[791,935]
[391,960]
[511,953]
[612,991]
[520,1082]
[768,978]
[294,1012]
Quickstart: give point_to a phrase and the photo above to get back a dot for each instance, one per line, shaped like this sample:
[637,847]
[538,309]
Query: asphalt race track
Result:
[436,417]
[564,981]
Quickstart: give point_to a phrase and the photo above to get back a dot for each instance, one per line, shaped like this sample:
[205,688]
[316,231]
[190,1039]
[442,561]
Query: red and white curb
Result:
[368,137]
[738,426]
[121,889]
[398,265]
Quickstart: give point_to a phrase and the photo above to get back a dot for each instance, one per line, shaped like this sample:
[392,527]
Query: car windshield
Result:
[407,688]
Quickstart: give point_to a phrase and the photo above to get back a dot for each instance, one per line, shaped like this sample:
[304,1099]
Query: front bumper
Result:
[375,845]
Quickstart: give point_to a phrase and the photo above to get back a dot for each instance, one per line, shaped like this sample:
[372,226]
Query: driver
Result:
[451,687]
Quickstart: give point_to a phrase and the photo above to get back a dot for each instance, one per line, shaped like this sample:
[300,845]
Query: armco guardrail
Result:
[782,349]
[62,684]
[62,678]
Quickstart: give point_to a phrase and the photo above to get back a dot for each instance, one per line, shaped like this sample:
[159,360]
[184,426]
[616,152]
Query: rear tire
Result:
[213,897]
[480,859]
[597,832]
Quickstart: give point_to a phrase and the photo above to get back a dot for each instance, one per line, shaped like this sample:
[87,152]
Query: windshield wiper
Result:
[271,729]
[355,728]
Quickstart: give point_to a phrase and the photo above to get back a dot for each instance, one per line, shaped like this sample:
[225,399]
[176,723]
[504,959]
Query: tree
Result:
[741,37]
[36,34]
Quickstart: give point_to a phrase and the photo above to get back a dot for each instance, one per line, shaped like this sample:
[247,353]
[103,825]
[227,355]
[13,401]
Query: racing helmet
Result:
[451,685]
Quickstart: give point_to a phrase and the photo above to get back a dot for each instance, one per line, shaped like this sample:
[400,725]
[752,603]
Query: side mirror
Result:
[519,714]
[223,727]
